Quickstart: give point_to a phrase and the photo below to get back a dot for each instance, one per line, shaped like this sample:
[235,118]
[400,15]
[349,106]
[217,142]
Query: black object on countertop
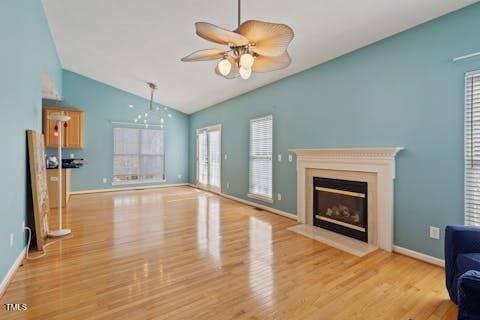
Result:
[70,164]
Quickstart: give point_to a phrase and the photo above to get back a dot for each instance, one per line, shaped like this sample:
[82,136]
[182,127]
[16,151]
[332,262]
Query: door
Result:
[74,131]
[209,158]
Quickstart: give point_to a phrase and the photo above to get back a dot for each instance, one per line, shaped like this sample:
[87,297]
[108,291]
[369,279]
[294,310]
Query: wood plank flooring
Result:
[181,253]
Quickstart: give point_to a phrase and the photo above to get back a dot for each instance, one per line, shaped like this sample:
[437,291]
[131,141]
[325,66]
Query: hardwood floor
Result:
[180,253]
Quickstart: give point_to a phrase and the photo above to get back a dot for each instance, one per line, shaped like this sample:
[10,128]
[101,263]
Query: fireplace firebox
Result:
[341,206]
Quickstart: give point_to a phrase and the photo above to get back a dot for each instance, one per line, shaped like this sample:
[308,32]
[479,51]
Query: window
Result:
[260,185]
[209,157]
[472,148]
[139,155]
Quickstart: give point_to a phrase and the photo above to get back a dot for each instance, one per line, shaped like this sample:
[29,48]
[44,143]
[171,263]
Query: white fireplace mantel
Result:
[377,160]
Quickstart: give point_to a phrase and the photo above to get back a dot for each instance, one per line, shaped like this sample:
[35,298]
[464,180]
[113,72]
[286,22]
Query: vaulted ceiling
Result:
[126,43]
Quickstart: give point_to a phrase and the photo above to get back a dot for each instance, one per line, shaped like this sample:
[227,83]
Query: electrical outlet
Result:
[226,156]
[279,196]
[12,239]
[228,185]
[72,155]
[23,225]
[290,158]
[179,176]
[104,180]
[279,157]
[434,233]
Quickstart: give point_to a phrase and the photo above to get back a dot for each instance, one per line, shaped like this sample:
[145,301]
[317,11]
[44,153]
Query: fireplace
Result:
[341,206]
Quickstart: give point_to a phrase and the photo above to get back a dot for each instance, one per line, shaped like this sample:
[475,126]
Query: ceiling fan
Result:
[255,46]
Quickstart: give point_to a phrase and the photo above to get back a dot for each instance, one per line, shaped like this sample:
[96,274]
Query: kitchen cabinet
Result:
[73,135]
[52,185]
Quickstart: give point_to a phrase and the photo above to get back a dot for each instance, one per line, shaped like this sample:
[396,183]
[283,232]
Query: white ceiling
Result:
[125,43]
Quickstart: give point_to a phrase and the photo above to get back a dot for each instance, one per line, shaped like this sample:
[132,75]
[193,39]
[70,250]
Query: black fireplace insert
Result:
[341,206]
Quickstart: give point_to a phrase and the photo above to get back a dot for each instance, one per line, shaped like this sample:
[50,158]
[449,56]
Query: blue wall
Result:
[103,103]
[402,91]
[26,50]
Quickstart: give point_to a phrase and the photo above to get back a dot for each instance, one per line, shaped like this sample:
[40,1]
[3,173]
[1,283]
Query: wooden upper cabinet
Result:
[73,135]
[74,131]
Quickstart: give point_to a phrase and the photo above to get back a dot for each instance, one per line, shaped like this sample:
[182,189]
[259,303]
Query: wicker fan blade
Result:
[204,55]
[219,35]
[270,39]
[266,64]
[233,72]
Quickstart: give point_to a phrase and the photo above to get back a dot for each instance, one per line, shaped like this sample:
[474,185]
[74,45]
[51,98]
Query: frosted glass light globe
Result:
[224,66]
[246,60]
[245,73]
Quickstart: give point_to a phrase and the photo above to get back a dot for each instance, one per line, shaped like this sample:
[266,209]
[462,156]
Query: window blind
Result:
[261,139]
[202,145]
[214,157]
[139,155]
[472,148]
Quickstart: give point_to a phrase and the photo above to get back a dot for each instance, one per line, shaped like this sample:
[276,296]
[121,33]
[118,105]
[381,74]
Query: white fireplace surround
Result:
[377,160]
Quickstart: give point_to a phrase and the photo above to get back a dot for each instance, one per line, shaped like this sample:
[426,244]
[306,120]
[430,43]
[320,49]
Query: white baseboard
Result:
[250,203]
[130,188]
[419,256]
[11,272]
[266,208]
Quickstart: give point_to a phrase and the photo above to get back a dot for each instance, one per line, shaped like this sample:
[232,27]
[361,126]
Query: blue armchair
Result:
[462,269]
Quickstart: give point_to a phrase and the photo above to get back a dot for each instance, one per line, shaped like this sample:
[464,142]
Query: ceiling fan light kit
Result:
[224,66]
[255,46]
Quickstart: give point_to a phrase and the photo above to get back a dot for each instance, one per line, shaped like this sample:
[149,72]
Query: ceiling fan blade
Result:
[234,73]
[270,39]
[266,64]
[219,35]
[204,55]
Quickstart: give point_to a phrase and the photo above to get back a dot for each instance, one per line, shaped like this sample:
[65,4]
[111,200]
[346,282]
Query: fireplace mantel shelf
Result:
[380,161]
[360,153]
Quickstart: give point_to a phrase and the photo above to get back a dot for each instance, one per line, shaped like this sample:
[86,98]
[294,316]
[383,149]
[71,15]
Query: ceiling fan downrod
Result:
[239,12]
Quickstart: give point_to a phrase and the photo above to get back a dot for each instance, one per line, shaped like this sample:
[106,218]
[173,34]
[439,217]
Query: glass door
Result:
[209,157]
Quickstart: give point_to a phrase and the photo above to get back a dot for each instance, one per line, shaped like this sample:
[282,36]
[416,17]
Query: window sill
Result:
[259,197]
[137,182]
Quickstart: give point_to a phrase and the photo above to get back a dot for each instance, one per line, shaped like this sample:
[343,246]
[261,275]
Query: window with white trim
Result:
[472,148]
[138,155]
[260,173]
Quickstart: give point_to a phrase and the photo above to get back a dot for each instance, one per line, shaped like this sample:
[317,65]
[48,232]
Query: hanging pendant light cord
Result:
[152,88]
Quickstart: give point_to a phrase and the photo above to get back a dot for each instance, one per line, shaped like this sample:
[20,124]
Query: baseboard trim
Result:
[11,272]
[419,256]
[130,188]
[250,203]
[266,208]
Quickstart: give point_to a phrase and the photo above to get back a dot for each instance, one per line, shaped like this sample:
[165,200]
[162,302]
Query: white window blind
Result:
[261,139]
[139,155]
[209,157]
[202,157]
[472,148]
[214,157]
